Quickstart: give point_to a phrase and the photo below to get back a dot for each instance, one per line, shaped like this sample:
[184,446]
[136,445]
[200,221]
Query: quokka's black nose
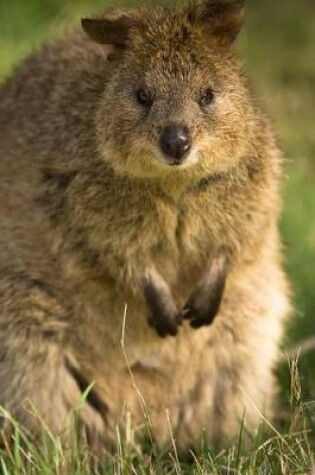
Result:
[175,142]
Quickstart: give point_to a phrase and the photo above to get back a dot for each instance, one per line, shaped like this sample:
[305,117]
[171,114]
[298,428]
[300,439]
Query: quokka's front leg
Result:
[163,314]
[204,303]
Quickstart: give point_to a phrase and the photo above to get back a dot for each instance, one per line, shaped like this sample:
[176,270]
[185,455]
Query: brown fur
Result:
[93,217]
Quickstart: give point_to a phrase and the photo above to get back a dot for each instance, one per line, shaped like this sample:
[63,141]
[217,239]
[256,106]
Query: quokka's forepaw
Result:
[163,314]
[204,303]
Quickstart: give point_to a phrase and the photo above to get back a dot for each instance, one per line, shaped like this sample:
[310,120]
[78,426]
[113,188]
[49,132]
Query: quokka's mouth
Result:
[190,160]
[174,163]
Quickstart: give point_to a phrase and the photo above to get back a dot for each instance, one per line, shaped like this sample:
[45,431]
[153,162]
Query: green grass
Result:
[278,47]
[271,452]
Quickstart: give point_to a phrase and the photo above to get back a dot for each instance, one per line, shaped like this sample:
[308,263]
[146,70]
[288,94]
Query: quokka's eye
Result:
[144,98]
[207,98]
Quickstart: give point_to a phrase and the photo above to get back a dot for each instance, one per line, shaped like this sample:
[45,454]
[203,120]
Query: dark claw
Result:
[164,325]
[198,317]
[198,323]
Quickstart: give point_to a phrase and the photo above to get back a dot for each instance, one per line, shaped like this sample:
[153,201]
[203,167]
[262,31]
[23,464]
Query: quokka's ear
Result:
[219,18]
[112,28]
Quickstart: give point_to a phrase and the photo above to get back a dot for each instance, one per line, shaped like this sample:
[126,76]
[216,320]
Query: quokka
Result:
[138,173]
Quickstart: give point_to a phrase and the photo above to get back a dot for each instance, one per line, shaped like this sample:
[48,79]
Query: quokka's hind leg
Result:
[39,387]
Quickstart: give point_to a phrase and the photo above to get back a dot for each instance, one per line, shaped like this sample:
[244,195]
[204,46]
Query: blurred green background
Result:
[278,46]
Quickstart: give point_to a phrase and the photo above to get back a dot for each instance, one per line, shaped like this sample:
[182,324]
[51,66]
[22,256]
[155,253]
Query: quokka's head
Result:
[176,100]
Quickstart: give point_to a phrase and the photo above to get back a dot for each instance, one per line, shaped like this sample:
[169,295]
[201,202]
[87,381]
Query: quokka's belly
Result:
[203,379]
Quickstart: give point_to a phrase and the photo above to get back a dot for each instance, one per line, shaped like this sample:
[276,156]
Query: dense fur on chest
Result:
[103,216]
